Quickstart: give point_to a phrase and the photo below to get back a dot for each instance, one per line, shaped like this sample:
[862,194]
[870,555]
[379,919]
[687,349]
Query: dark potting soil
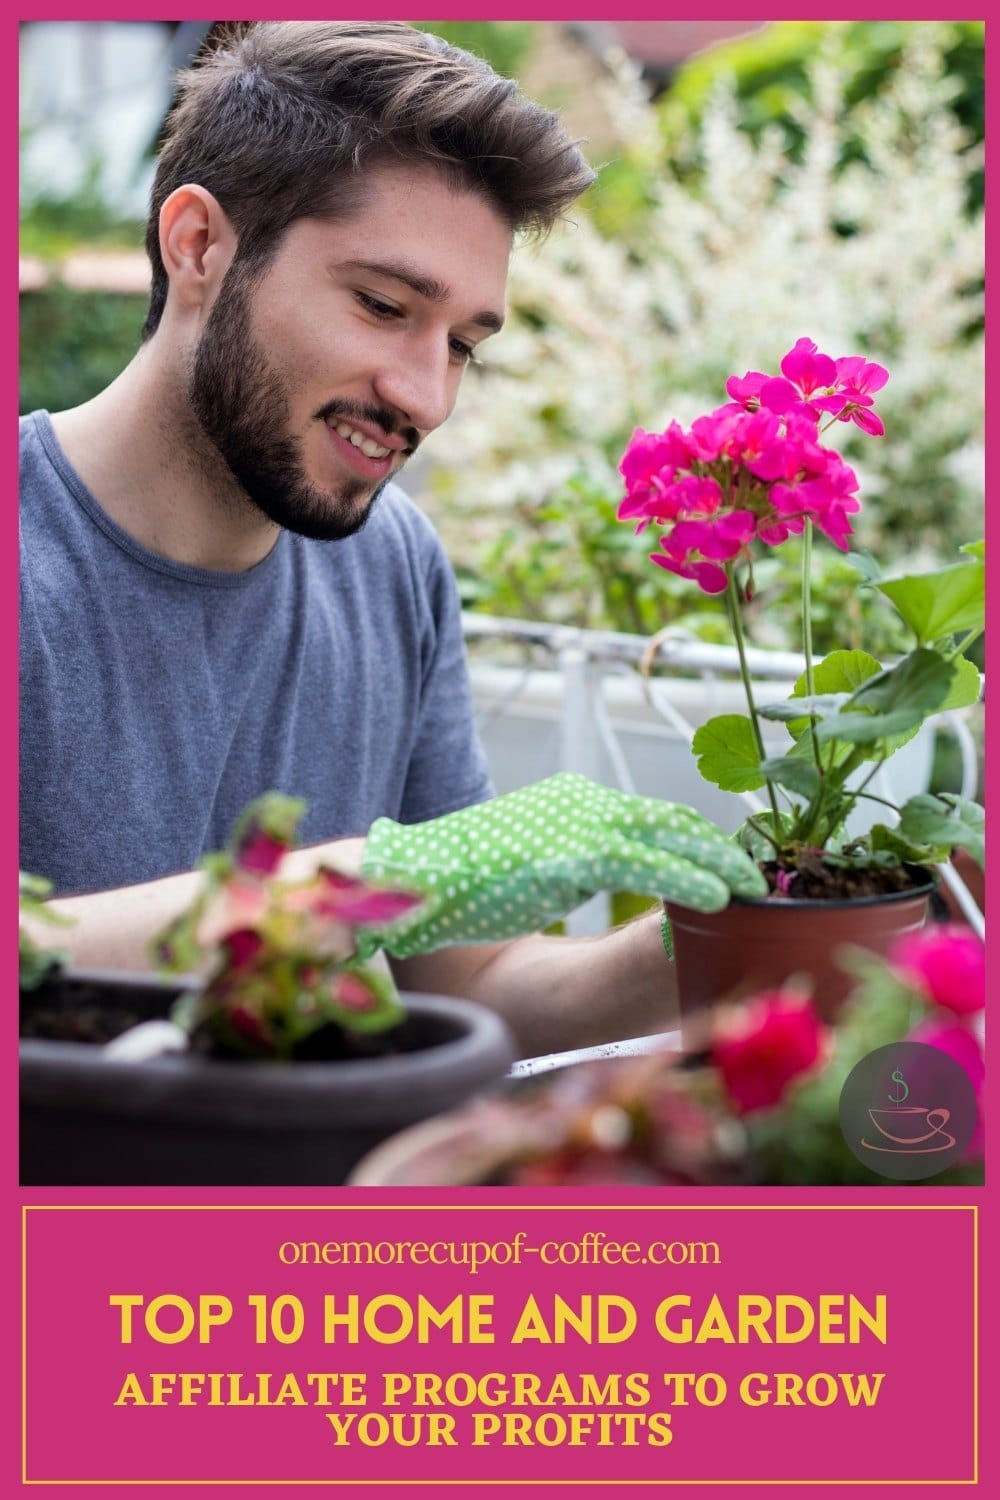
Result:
[812,879]
[66,1008]
[96,1024]
[63,1009]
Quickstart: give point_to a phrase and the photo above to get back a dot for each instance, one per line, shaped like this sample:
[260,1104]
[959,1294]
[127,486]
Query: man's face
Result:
[317,383]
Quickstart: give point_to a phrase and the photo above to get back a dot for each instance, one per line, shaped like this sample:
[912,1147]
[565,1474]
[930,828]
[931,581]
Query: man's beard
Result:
[242,408]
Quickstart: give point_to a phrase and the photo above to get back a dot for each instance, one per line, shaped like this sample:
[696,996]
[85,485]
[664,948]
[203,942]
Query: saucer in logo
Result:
[908,1110]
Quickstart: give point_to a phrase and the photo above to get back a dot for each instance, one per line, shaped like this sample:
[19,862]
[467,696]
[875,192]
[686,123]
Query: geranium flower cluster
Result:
[753,469]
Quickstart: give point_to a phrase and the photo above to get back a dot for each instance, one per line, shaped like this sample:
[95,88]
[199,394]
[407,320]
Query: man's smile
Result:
[363,455]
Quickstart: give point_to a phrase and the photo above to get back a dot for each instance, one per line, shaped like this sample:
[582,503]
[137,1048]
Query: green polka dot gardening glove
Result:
[513,865]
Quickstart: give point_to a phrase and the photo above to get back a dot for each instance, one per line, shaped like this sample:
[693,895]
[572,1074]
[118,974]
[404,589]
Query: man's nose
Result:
[420,385]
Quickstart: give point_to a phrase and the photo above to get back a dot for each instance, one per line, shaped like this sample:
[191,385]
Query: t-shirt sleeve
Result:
[448,767]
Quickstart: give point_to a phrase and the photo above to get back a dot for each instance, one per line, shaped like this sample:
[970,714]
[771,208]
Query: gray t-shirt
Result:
[158,699]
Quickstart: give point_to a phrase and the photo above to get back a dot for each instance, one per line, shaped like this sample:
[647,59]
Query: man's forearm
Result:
[558,993]
[555,993]
[115,929]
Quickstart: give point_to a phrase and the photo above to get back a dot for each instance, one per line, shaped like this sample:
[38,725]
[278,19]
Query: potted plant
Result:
[284,1064]
[746,476]
[758,1103]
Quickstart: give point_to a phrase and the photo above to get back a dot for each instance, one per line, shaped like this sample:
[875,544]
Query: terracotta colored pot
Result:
[755,945]
[185,1119]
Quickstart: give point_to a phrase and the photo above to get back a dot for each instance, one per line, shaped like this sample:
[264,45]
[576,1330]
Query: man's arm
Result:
[556,992]
[114,929]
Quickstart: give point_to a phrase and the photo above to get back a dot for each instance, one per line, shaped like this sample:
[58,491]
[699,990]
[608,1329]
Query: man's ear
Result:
[197,243]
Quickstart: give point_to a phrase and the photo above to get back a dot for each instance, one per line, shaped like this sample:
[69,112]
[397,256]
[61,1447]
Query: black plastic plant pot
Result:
[182,1118]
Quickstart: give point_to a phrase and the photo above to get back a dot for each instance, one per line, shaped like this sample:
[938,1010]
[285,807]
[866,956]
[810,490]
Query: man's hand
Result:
[513,865]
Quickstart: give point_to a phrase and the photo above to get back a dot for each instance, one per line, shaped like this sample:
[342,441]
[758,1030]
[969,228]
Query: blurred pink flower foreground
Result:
[765,1045]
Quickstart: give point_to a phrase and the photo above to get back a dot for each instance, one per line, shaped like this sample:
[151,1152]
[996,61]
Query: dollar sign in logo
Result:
[900,1081]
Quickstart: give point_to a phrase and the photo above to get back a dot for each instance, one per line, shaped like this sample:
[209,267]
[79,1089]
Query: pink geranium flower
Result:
[710,435]
[709,577]
[857,378]
[718,537]
[806,383]
[648,467]
[765,1045]
[946,964]
[697,493]
[693,548]
[650,454]
[746,391]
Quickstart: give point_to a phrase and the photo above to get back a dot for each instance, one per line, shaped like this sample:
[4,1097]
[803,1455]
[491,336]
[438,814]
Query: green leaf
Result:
[921,681]
[33,894]
[821,704]
[975,549]
[796,775]
[275,813]
[884,838]
[862,729]
[894,701]
[840,672]
[176,950]
[945,820]
[965,686]
[937,604]
[727,753]
[865,565]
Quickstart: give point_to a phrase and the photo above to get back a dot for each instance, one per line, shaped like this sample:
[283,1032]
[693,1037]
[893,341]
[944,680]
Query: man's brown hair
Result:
[279,120]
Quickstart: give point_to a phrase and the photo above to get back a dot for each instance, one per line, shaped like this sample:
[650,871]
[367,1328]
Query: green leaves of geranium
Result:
[794,774]
[945,821]
[939,604]
[727,753]
[964,685]
[892,702]
[859,703]
[835,678]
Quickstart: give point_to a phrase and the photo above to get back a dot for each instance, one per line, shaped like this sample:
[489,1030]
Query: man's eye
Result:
[376,307]
[463,351]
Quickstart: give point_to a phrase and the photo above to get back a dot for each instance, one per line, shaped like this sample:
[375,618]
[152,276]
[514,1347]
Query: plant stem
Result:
[964,644]
[871,797]
[733,601]
[807,641]
[764,833]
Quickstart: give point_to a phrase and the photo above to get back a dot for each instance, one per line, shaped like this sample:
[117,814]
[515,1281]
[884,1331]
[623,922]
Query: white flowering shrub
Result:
[872,250]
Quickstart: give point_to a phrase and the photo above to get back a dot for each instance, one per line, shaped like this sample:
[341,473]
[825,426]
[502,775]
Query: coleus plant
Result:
[280,953]
[747,476]
[35,963]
